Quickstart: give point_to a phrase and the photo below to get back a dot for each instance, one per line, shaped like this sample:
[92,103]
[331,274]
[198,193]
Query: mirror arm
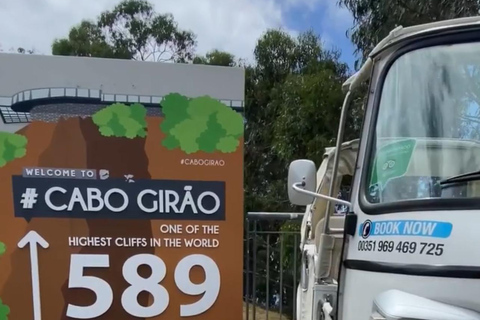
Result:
[298,187]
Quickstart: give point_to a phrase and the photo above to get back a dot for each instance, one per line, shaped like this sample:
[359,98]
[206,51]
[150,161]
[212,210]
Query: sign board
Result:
[121,189]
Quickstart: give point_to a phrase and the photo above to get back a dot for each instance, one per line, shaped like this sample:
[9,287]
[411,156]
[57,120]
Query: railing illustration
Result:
[9,105]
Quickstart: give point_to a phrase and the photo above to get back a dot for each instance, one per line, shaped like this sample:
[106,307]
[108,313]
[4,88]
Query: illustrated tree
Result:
[120,120]
[131,30]
[200,124]
[4,309]
[12,146]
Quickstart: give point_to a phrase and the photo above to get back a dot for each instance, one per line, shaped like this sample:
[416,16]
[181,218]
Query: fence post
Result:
[263,233]
[247,271]
[254,280]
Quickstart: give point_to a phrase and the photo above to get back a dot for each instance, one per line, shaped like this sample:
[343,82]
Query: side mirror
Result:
[303,173]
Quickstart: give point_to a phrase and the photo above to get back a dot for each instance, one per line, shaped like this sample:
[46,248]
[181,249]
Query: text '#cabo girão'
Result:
[114,198]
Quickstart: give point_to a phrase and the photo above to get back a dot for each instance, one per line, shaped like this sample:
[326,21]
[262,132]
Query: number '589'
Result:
[210,287]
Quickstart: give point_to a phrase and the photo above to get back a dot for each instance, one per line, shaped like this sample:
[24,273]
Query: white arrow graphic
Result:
[34,239]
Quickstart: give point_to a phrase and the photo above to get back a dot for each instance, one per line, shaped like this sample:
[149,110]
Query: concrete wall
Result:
[20,72]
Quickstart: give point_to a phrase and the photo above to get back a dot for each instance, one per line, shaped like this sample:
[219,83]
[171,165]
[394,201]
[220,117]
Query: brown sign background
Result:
[76,142]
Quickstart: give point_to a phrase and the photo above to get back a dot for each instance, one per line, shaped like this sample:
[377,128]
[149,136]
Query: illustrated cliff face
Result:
[125,140]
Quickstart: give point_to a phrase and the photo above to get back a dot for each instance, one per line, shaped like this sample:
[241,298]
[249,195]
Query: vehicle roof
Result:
[400,34]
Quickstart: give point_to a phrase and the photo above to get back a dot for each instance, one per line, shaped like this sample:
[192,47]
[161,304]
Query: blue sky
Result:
[230,25]
[329,21]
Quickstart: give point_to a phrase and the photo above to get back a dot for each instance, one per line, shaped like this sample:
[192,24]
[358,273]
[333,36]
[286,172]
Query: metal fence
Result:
[271,265]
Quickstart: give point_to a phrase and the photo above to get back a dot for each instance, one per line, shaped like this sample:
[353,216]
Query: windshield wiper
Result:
[470,176]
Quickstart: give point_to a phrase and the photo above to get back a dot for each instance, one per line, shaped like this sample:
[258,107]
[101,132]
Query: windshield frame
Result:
[450,37]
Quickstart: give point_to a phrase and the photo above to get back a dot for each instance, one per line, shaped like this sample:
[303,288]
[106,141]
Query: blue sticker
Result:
[417,228]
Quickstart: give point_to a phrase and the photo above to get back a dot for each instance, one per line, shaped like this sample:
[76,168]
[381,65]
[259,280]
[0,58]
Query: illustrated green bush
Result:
[200,124]
[120,120]
[12,146]
[4,309]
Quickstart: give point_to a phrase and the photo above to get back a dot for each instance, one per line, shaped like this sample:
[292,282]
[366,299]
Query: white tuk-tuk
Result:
[406,248]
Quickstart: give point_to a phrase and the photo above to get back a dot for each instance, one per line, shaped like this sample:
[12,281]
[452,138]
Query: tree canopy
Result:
[217,58]
[373,20]
[88,40]
[293,104]
[131,30]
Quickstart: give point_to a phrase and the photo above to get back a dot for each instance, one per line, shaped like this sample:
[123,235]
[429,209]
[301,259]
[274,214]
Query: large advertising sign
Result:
[121,189]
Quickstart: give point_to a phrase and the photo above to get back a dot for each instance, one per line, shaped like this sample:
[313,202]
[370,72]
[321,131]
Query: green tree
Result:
[217,58]
[131,30]
[88,40]
[12,146]
[293,104]
[120,120]
[200,124]
[373,20]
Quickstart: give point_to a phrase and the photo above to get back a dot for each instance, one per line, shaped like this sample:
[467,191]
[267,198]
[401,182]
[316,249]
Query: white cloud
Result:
[231,25]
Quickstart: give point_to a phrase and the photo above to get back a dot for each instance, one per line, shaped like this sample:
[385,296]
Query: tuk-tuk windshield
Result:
[428,125]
